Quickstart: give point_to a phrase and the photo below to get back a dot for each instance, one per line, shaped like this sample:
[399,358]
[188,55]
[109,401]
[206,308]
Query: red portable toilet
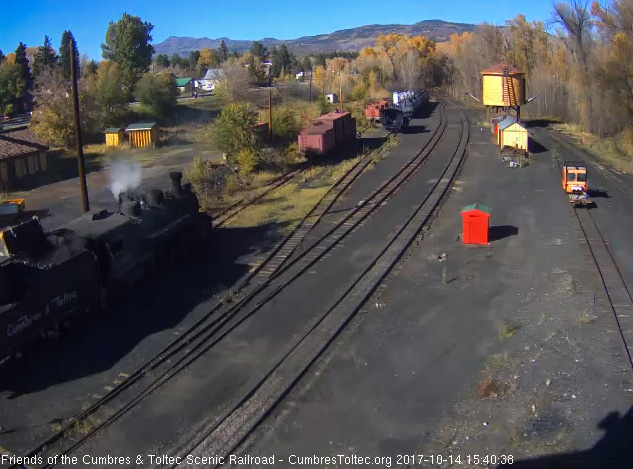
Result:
[476,222]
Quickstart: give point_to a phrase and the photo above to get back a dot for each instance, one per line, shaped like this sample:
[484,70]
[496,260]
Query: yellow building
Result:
[114,136]
[513,134]
[503,86]
[142,135]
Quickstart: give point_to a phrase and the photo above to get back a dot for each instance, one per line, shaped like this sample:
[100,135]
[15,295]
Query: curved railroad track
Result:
[227,434]
[215,325]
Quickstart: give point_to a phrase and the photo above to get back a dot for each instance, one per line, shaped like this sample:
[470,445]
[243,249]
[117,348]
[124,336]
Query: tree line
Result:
[579,64]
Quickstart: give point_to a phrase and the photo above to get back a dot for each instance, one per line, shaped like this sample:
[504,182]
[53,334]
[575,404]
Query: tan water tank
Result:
[503,91]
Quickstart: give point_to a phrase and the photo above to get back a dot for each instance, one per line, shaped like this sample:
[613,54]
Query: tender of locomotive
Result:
[82,266]
[405,103]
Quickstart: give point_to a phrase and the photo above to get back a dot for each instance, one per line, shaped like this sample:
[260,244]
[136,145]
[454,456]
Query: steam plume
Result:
[124,177]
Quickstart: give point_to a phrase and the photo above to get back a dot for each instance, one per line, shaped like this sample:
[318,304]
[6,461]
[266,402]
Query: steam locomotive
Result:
[405,103]
[82,266]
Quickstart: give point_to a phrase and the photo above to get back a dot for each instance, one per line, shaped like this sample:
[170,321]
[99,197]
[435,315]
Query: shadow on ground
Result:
[502,231]
[414,129]
[535,146]
[426,111]
[533,123]
[60,168]
[613,451]
[598,193]
[93,344]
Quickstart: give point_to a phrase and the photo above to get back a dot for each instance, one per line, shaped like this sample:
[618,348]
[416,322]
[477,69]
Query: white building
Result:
[211,79]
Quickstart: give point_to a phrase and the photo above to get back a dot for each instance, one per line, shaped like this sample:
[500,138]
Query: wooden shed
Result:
[501,125]
[114,136]
[515,135]
[143,134]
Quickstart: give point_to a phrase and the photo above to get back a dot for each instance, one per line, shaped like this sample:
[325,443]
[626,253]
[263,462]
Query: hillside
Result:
[347,39]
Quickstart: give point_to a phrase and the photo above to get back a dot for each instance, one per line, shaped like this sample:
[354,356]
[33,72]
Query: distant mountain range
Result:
[345,40]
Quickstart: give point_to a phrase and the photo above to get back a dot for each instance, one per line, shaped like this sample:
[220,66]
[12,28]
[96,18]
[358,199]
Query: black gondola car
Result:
[45,277]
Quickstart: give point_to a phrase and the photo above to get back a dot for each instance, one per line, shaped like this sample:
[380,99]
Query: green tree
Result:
[9,78]
[306,64]
[232,130]
[64,54]
[2,57]
[194,57]
[45,57]
[320,60]
[108,91]
[223,52]
[176,60]
[285,123]
[127,43]
[25,80]
[259,51]
[158,91]
[162,61]
[90,68]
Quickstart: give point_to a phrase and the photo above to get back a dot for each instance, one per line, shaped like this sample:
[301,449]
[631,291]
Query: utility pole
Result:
[270,115]
[310,85]
[79,142]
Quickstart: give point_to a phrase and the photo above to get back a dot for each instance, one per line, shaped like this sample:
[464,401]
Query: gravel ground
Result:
[509,358]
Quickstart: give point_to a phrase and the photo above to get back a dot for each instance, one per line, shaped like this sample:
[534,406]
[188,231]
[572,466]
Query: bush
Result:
[232,130]
[246,161]
[285,123]
[208,180]
[158,92]
[325,106]
[359,92]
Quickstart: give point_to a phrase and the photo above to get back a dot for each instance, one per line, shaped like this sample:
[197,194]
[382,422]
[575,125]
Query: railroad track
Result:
[231,211]
[227,434]
[622,185]
[616,297]
[215,325]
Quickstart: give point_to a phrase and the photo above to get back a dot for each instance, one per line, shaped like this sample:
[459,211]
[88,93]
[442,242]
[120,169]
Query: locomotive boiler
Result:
[83,265]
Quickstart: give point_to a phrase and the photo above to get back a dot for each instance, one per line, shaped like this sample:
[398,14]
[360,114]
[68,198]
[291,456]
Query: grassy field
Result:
[617,151]
[287,205]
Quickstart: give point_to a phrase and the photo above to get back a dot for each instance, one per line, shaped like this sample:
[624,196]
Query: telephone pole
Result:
[79,142]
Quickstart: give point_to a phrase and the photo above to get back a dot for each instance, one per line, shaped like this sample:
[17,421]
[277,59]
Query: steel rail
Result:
[243,418]
[184,340]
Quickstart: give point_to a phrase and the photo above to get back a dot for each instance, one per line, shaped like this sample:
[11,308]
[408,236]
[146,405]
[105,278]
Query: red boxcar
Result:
[327,131]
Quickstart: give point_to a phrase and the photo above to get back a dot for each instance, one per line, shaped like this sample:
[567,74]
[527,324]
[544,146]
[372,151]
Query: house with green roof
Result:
[184,84]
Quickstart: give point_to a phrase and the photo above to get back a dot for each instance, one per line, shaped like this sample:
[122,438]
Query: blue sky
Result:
[238,19]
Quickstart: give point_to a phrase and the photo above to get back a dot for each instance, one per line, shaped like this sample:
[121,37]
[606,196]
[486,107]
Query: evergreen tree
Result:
[320,60]
[90,68]
[223,52]
[162,61]
[194,57]
[285,62]
[306,64]
[45,57]
[275,58]
[64,54]
[25,81]
[127,43]
[2,57]
[176,60]
[259,51]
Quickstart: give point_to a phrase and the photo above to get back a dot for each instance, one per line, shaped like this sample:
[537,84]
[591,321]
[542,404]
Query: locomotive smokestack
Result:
[176,187]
